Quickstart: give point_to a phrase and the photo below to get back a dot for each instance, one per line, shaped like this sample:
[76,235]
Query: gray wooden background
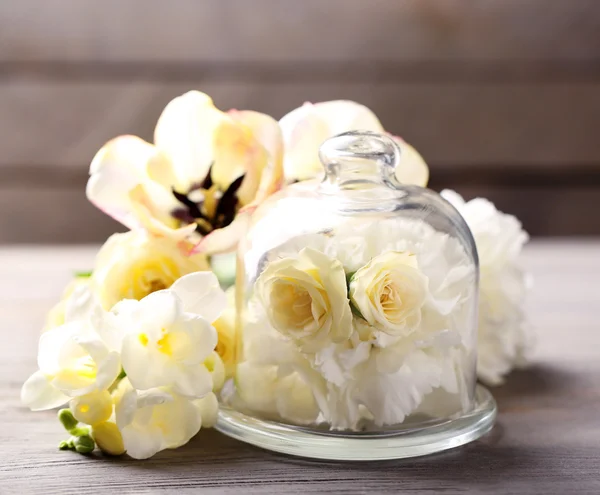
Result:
[502,97]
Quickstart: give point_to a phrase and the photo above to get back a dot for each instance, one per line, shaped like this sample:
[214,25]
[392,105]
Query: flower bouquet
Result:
[348,325]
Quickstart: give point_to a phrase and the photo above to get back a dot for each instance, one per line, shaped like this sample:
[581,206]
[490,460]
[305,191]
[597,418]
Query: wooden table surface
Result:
[547,439]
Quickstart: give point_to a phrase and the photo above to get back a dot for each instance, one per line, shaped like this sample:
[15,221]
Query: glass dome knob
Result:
[358,158]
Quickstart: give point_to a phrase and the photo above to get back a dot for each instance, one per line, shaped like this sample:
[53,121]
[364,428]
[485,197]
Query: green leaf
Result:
[87,274]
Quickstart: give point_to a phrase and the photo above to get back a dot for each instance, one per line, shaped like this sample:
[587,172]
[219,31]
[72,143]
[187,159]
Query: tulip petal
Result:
[116,170]
[39,395]
[303,132]
[347,115]
[263,177]
[412,169]
[226,239]
[201,294]
[185,132]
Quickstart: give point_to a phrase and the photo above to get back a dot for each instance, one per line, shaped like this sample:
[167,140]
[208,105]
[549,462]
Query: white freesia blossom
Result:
[73,361]
[170,335]
[307,127]
[76,302]
[93,408]
[154,420]
[504,337]
[305,298]
[166,345]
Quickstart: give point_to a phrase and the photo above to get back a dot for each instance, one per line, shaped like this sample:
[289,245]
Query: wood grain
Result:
[61,214]
[65,123]
[271,30]
[547,439]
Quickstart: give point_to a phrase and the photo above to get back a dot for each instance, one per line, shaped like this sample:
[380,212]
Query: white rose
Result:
[307,127]
[305,298]
[504,337]
[135,264]
[389,292]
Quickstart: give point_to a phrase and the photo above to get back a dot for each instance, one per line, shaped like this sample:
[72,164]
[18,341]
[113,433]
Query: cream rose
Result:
[389,292]
[305,298]
[135,264]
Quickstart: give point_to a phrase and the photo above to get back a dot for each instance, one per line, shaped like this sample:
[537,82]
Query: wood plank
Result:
[61,213]
[50,123]
[270,30]
[546,439]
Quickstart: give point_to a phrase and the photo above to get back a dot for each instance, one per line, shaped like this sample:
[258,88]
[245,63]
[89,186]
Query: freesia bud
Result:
[65,416]
[84,444]
[108,438]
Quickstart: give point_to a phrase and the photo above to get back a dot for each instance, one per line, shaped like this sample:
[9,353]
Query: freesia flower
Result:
[135,264]
[154,420]
[77,301]
[199,181]
[108,438]
[389,292]
[73,362]
[306,300]
[504,337]
[170,335]
[307,127]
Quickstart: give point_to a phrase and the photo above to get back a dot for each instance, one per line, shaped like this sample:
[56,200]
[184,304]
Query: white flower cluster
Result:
[141,375]
[360,325]
[505,337]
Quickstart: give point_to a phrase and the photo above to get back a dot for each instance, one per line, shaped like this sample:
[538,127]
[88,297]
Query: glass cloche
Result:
[356,316]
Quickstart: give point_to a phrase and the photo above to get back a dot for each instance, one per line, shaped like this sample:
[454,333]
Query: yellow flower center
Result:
[164,345]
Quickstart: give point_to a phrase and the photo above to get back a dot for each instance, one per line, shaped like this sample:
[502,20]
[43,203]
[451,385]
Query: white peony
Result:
[504,337]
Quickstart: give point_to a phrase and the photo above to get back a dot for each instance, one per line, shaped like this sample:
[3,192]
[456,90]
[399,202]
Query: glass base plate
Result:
[414,442]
